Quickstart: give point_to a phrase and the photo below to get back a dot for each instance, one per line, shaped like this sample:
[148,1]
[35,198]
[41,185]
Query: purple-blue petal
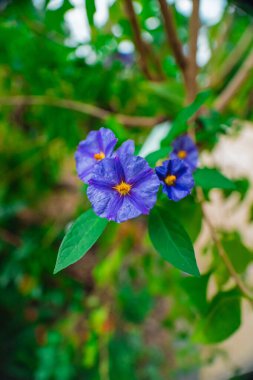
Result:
[96,142]
[119,170]
[127,211]
[107,141]
[101,200]
[126,148]
[105,172]
[134,167]
[186,144]
[84,166]
[176,194]
[183,143]
[106,200]
[184,180]
[162,170]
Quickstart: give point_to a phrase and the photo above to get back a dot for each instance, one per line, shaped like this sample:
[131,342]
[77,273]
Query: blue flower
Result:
[176,178]
[185,149]
[126,148]
[97,146]
[122,187]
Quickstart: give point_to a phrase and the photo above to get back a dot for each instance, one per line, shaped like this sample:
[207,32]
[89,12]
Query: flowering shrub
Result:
[122,186]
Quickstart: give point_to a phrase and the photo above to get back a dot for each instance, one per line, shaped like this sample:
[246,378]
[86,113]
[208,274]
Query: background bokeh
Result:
[121,312]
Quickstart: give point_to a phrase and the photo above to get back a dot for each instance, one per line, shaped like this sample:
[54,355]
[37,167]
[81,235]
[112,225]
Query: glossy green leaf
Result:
[222,319]
[171,241]
[211,178]
[81,236]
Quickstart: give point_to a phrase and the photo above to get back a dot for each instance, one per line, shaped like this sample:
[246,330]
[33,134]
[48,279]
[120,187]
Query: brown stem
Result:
[88,109]
[192,68]
[234,85]
[244,290]
[139,43]
[171,34]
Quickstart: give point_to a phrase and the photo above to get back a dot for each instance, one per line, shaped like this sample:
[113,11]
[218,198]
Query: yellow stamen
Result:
[99,156]
[182,154]
[123,188]
[170,180]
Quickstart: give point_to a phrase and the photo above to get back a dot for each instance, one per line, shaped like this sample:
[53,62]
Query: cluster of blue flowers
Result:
[123,186]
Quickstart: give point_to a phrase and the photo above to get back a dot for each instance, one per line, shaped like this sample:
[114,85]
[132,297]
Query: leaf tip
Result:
[56,269]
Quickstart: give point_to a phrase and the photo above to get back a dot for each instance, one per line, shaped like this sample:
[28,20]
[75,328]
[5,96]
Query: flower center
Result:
[182,154]
[123,188]
[170,180]
[99,156]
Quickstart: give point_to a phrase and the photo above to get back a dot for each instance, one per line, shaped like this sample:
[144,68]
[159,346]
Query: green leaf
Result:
[239,255]
[196,290]
[81,236]
[189,214]
[222,320]
[242,186]
[171,241]
[91,10]
[179,125]
[211,178]
[160,154]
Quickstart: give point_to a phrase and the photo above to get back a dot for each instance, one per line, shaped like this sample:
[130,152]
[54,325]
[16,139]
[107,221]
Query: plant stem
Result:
[88,109]
[240,284]
[192,68]
[171,34]
[139,43]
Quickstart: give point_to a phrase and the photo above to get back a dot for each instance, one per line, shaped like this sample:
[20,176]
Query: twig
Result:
[171,34]
[192,68]
[88,109]
[244,290]
[234,85]
[139,43]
